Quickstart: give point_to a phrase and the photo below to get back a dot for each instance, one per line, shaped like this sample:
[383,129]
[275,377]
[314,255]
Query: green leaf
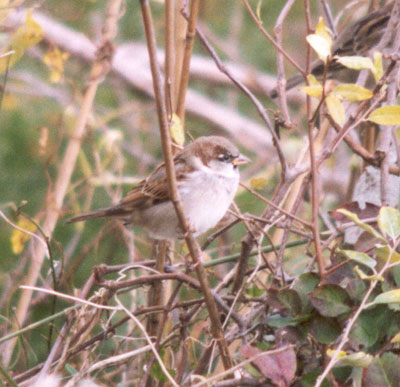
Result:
[366,227]
[286,299]
[386,115]
[304,285]
[384,371]
[396,274]
[325,330]
[254,291]
[359,257]
[310,378]
[352,92]
[371,326]
[355,62]
[389,222]
[157,372]
[331,300]
[71,370]
[335,109]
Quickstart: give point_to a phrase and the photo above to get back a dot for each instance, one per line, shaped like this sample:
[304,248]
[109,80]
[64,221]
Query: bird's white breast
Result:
[206,196]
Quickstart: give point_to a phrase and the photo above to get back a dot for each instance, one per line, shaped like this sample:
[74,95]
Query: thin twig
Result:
[271,40]
[194,249]
[184,81]
[281,81]
[54,205]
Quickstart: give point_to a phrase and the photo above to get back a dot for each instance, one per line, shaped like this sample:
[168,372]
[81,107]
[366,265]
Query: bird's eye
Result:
[225,157]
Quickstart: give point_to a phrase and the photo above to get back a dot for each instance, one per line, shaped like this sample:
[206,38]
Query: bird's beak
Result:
[240,160]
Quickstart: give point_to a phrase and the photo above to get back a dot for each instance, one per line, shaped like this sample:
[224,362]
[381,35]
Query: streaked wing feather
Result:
[154,189]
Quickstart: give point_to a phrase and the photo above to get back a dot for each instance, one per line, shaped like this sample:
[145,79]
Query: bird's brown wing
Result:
[153,190]
[145,194]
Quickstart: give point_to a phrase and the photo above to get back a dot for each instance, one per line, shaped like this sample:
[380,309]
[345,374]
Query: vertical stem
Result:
[190,35]
[169,86]
[180,38]
[314,169]
[194,249]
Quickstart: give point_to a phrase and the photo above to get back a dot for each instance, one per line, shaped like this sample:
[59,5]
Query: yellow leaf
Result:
[331,353]
[258,10]
[54,59]
[177,131]
[320,45]
[19,238]
[10,102]
[365,226]
[357,359]
[323,31]
[335,109]
[355,62]
[389,297]
[386,115]
[314,89]
[25,36]
[377,69]
[396,338]
[363,276]
[352,92]
[258,183]
[312,81]
[321,41]
[383,252]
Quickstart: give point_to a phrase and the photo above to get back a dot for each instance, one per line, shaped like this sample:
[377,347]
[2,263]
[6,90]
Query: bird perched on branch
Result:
[207,179]
[357,38]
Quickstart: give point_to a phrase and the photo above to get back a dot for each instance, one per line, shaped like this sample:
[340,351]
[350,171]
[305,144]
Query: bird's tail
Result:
[115,211]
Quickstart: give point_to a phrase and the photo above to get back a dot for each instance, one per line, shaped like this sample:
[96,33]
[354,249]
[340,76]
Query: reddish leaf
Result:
[279,367]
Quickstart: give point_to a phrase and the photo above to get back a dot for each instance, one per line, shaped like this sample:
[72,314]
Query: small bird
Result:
[357,38]
[207,179]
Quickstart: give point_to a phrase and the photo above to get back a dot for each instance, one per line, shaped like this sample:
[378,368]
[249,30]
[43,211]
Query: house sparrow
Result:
[357,38]
[207,179]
